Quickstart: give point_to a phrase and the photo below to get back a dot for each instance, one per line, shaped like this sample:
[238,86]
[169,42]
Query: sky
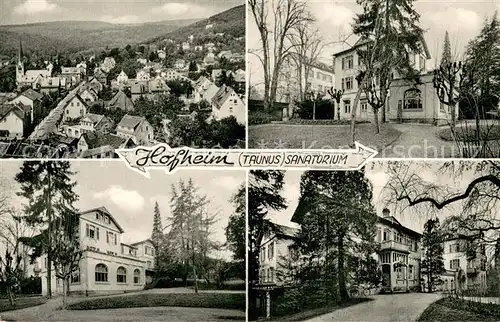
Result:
[112,11]
[379,178]
[463,20]
[130,197]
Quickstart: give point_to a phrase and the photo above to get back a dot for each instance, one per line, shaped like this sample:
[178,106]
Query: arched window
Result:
[121,275]
[137,276]
[412,99]
[101,273]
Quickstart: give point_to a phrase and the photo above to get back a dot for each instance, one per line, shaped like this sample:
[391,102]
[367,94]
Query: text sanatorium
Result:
[294,159]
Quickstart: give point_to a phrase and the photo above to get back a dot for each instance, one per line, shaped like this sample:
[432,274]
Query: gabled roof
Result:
[142,241]
[158,85]
[18,109]
[32,94]
[104,210]
[131,121]
[122,101]
[222,95]
[78,97]
[96,140]
[138,89]
[94,118]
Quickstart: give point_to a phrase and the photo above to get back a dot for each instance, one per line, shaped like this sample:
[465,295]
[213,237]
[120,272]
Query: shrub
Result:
[324,110]
[323,122]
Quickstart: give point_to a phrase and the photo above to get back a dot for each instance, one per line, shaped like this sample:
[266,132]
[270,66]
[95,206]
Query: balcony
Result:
[392,245]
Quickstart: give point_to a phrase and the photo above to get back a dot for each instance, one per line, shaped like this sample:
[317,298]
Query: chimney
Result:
[386,213]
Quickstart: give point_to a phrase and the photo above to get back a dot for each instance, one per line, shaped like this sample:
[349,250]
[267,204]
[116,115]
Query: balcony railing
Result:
[395,246]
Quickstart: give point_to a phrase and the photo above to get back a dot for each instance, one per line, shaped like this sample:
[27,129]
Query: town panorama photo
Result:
[409,78]
[80,79]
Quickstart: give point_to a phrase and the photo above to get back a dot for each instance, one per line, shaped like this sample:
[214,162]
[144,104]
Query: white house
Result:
[137,128]
[30,98]
[107,265]
[12,118]
[226,103]
[143,76]
[122,78]
[75,108]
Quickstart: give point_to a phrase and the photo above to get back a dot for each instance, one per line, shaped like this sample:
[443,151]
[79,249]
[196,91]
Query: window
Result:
[364,106]
[75,277]
[263,253]
[455,248]
[271,274]
[91,232]
[270,251]
[454,263]
[348,62]
[72,104]
[137,276]
[386,235]
[121,275]
[231,109]
[399,273]
[347,83]
[101,273]
[45,262]
[412,99]
[410,272]
[379,234]
[347,106]
[110,238]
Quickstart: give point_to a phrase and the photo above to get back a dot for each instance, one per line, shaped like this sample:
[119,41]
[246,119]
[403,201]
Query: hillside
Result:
[75,36]
[230,22]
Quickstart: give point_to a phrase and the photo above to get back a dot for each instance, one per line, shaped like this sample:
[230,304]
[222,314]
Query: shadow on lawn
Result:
[309,314]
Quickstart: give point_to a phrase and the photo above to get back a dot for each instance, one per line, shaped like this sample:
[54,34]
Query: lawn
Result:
[469,133]
[455,310]
[276,136]
[235,301]
[309,314]
[21,303]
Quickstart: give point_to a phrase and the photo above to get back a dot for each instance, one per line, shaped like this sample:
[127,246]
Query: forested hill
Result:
[49,38]
[230,22]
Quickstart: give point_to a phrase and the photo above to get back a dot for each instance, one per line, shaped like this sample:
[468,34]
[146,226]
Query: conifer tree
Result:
[157,234]
[48,187]
[446,58]
[432,263]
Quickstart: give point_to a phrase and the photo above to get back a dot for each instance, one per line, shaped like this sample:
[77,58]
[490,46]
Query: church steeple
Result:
[20,56]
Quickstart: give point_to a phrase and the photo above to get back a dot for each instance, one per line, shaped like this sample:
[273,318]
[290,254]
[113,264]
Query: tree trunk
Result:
[338,111]
[344,295]
[353,115]
[65,292]
[375,118]
[10,294]
[195,278]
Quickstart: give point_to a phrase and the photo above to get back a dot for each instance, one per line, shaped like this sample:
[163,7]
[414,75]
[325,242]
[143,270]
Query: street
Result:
[384,308]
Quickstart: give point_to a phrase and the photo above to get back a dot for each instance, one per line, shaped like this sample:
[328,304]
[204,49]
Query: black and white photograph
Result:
[395,241]
[116,246]
[79,79]
[410,79]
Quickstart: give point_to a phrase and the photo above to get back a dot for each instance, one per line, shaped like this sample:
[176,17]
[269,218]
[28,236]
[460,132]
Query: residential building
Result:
[137,128]
[225,54]
[88,94]
[73,75]
[83,67]
[12,118]
[107,265]
[121,101]
[186,46]
[101,76]
[122,78]
[161,54]
[226,103]
[204,89]
[96,122]
[464,260]
[49,85]
[31,98]
[180,64]
[399,256]
[108,64]
[97,145]
[143,76]
[407,101]
[209,60]
[158,87]
[75,108]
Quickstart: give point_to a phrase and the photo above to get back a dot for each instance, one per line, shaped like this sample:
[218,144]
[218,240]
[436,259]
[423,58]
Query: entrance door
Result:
[386,275]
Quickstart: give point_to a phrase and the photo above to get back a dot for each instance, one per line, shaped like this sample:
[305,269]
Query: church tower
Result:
[20,64]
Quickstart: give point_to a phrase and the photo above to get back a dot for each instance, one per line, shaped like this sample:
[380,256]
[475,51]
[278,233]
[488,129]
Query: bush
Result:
[469,134]
[260,117]
[4,133]
[235,301]
[324,110]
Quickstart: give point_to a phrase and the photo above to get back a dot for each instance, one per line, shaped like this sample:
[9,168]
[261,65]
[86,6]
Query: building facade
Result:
[107,265]
[406,101]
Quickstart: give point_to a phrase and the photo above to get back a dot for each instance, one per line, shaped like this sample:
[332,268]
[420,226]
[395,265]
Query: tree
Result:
[48,188]
[336,95]
[393,35]
[287,15]
[10,273]
[236,228]
[432,263]
[190,228]
[446,57]
[66,251]
[474,204]
[483,60]
[192,66]
[337,219]
[264,188]
[180,87]
[157,234]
